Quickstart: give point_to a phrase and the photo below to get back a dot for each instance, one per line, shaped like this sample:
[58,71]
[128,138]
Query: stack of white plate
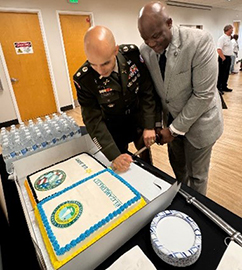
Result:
[176,238]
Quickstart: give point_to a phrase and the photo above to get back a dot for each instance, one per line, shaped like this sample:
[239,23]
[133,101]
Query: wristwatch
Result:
[173,134]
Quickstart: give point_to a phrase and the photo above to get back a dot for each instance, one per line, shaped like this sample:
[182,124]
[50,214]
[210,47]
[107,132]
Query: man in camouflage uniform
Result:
[115,92]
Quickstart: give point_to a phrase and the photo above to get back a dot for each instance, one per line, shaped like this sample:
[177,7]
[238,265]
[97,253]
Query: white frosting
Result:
[75,171]
[96,206]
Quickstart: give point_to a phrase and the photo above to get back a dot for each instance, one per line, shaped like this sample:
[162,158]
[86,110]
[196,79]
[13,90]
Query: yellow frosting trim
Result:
[57,264]
[30,194]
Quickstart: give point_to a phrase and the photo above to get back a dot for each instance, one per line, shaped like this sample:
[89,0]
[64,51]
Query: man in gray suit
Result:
[183,64]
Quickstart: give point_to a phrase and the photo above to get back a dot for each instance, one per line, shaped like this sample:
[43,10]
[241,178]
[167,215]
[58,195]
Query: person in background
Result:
[235,53]
[225,51]
[183,64]
[116,95]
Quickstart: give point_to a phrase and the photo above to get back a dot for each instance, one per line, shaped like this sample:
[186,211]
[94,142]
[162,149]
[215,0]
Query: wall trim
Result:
[9,123]
[66,108]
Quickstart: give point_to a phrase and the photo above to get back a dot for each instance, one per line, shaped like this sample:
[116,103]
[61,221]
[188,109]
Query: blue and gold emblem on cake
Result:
[66,214]
[50,180]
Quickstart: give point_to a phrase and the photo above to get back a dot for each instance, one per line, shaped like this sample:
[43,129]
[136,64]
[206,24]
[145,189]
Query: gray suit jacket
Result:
[189,91]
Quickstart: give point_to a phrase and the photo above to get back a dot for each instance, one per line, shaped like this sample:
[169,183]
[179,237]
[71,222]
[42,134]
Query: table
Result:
[213,237]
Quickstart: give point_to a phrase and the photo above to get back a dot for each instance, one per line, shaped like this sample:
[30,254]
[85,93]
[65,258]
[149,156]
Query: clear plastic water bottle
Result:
[50,123]
[19,147]
[31,126]
[40,140]
[55,117]
[40,124]
[63,115]
[6,152]
[75,128]
[21,130]
[11,134]
[51,137]
[67,132]
[58,134]
[4,134]
[30,145]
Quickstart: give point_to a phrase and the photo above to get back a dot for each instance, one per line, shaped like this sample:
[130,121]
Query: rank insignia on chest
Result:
[133,70]
[107,90]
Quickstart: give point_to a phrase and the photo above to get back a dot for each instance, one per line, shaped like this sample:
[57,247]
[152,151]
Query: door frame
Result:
[60,12]
[47,53]
[10,86]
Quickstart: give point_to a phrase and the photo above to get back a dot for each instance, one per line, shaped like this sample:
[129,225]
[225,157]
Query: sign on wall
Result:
[23,47]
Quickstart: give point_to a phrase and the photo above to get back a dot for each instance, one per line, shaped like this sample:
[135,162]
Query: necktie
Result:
[115,76]
[162,63]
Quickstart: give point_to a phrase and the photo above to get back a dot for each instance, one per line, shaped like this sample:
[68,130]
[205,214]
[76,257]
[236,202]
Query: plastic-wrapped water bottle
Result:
[31,145]
[11,134]
[31,126]
[76,129]
[58,134]
[49,137]
[63,115]
[19,147]
[21,130]
[67,132]
[7,152]
[40,124]
[4,134]
[55,117]
[50,123]
[40,141]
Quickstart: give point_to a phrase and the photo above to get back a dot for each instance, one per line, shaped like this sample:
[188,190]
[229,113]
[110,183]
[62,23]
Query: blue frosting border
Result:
[62,250]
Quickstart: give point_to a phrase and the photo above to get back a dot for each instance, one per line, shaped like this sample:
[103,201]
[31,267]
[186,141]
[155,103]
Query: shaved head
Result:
[100,49]
[154,25]
[100,39]
[152,10]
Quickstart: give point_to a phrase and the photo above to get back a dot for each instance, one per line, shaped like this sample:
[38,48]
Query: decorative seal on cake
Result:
[176,238]
[50,180]
[66,213]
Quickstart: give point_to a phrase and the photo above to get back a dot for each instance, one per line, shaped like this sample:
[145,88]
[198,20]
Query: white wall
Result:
[120,17]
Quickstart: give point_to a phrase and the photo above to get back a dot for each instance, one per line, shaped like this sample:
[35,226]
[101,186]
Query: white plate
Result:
[176,238]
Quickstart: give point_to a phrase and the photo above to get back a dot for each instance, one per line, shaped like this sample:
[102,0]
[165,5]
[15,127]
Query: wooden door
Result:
[24,52]
[236,25]
[73,29]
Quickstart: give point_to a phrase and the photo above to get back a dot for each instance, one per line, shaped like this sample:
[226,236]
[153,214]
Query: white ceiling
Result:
[232,4]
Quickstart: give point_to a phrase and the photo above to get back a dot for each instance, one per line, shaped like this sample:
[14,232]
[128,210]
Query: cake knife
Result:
[145,147]
[140,151]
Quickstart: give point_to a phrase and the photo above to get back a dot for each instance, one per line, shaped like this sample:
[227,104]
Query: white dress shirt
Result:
[225,44]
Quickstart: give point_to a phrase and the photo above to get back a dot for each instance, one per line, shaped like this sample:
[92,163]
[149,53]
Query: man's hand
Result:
[165,136]
[158,136]
[221,55]
[149,137]
[122,162]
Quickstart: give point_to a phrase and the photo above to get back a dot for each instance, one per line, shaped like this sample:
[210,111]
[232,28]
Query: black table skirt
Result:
[18,250]
[213,245]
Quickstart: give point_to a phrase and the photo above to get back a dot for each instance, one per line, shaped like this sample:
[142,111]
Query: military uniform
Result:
[116,110]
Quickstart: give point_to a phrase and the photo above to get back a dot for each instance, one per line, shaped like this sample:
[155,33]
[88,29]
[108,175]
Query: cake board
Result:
[104,247]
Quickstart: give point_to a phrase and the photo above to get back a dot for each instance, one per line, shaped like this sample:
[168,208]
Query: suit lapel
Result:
[172,57]
[155,72]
